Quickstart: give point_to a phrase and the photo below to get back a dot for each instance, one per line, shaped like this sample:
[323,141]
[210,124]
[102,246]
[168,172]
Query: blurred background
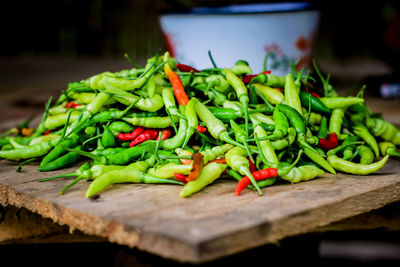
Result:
[46,44]
[107,29]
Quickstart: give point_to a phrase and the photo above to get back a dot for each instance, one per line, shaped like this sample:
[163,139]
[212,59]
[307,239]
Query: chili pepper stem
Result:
[19,168]
[76,180]
[253,181]
[67,175]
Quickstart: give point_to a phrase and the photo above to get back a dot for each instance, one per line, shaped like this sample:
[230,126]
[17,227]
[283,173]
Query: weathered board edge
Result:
[206,250]
[74,219]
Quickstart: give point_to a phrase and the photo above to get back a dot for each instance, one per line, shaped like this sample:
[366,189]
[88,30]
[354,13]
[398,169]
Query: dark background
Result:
[107,28]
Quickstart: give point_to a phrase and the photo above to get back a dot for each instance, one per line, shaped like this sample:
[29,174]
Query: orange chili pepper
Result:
[223,161]
[27,131]
[186,161]
[198,163]
[179,90]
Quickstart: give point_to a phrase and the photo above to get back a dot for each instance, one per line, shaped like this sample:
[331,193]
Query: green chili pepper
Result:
[292,98]
[193,122]
[356,168]
[388,148]
[212,153]
[107,138]
[151,86]
[56,121]
[216,97]
[31,151]
[265,126]
[259,118]
[127,174]
[302,173]
[121,158]
[383,129]
[316,157]
[335,122]
[60,149]
[151,122]
[120,127]
[218,82]
[168,170]
[349,142]
[253,95]
[209,173]
[281,125]
[226,114]
[294,117]
[98,81]
[323,128]
[316,104]
[236,159]
[169,102]
[150,104]
[266,148]
[241,67]
[92,108]
[362,131]
[214,126]
[340,102]
[240,136]
[15,143]
[241,92]
[272,95]
[275,81]
[178,139]
[284,142]
[63,161]
[366,154]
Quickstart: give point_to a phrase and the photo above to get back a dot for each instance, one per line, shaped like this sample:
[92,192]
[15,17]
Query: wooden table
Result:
[209,225]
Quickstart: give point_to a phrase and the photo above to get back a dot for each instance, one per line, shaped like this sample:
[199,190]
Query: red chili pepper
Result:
[181,177]
[247,78]
[165,134]
[186,68]
[258,175]
[131,136]
[47,132]
[252,166]
[179,90]
[201,129]
[72,105]
[149,134]
[330,143]
[312,93]
[198,163]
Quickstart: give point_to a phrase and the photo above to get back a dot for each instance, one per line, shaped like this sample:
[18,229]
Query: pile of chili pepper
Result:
[169,123]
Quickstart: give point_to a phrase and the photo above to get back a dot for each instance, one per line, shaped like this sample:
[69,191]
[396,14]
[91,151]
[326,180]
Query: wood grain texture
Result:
[210,224]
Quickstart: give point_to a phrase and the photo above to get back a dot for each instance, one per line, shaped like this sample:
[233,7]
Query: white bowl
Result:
[243,32]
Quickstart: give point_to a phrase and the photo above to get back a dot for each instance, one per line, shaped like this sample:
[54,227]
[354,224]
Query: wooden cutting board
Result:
[210,224]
